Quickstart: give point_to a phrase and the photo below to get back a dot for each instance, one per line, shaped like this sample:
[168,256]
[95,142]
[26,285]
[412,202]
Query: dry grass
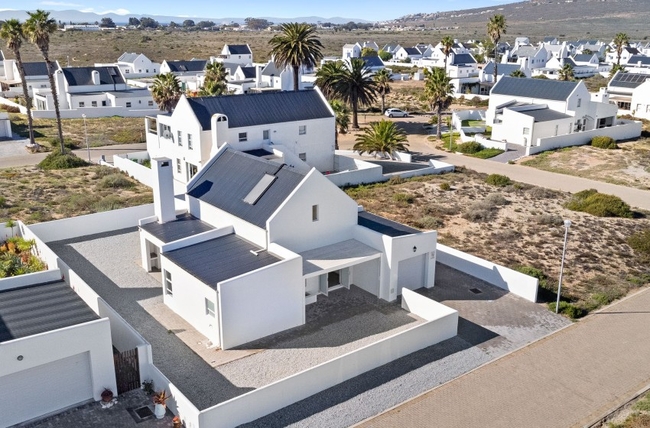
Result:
[33,195]
[518,225]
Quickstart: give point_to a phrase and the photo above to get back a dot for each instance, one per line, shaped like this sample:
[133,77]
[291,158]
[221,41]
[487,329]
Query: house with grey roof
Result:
[407,54]
[35,76]
[630,93]
[135,65]
[528,56]
[486,74]
[627,55]
[537,112]
[236,54]
[261,240]
[638,63]
[583,66]
[296,127]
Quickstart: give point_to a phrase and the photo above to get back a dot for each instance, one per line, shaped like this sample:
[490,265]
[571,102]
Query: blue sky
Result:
[375,10]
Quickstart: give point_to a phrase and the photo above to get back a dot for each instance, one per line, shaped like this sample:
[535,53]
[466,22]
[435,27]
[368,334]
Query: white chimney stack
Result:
[95,75]
[163,189]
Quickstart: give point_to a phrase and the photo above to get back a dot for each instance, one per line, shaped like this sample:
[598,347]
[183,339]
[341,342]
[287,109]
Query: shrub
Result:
[10,109]
[495,199]
[550,220]
[110,202]
[498,180]
[487,153]
[640,242]
[568,309]
[57,160]
[103,171]
[603,142]
[116,181]
[3,201]
[55,143]
[599,204]
[403,198]
[470,147]
[443,186]
[535,273]
[429,222]
[396,179]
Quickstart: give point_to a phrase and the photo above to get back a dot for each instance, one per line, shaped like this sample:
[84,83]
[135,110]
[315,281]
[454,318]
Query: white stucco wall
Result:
[641,101]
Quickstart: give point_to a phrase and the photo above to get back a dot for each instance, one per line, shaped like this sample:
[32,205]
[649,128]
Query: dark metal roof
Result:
[128,57]
[502,69]
[40,308]
[373,61]
[545,115]
[383,225]
[35,68]
[258,152]
[583,57]
[77,76]
[412,51]
[249,72]
[463,59]
[220,259]
[534,88]
[229,179]
[239,50]
[628,80]
[259,109]
[185,225]
[635,59]
[181,66]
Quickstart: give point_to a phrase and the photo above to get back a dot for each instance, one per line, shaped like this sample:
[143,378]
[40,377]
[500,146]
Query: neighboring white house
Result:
[527,56]
[135,65]
[403,54]
[525,111]
[190,73]
[638,63]
[486,74]
[262,240]
[629,92]
[81,27]
[55,352]
[236,54]
[641,101]
[301,124]
[626,55]
[464,73]
[351,50]
[587,67]
[35,76]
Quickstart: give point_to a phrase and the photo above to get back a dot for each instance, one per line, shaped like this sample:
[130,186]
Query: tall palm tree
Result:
[342,113]
[518,73]
[215,80]
[438,90]
[327,75]
[352,83]
[166,91]
[566,72]
[382,79]
[621,40]
[38,28]
[495,28]
[296,46]
[383,137]
[12,32]
[447,45]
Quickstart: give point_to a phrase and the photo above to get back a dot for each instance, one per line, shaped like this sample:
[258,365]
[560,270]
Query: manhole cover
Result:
[475,290]
[141,414]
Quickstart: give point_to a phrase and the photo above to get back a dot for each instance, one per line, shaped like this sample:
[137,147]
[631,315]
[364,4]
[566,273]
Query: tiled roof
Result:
[534,88]
[77,76]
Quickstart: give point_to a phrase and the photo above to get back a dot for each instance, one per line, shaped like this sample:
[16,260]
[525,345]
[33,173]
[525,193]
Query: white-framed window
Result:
[168,283]
[82,104]
[209,308]
[302,129]
[93,103]
[166,131]
[526,131]
[266,134]
[189,141]
[302,157]
[126,71]
[179,167]
[150,103]
[180,139]
[314,213]
[128,104]
[243,136]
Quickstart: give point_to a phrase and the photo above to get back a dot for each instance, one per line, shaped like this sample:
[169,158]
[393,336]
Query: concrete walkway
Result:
[570,378]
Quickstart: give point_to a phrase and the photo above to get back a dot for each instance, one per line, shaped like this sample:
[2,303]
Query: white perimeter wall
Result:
[29,279]
[354,171]
[515,282]
[95,112]
[442,324]
[134,169]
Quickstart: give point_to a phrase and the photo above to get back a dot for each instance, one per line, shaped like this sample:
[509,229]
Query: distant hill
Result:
[566,18]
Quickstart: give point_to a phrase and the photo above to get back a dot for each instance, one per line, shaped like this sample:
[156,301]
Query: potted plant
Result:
[107,395]
[176,422]
[160,404]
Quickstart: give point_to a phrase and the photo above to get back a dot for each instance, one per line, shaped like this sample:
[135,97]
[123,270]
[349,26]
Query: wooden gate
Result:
[127,370]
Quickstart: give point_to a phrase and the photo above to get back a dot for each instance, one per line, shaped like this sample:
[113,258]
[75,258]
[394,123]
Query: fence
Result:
[136,170]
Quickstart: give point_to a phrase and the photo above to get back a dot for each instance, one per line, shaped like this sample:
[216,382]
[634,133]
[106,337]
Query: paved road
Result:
[570,378]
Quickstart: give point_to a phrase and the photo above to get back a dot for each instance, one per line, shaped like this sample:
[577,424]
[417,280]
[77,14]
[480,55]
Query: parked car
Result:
[395,112]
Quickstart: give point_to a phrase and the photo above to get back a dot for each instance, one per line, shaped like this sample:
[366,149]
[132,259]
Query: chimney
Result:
[95,75]
[219,125]
[163,189]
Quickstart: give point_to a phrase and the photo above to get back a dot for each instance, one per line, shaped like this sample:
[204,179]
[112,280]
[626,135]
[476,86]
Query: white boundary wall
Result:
[354,171]
[134,169]
[515,282]
[29,279]
[95,112]
[441,324]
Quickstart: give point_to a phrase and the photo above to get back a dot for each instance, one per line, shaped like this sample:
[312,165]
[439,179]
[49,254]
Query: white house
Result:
[190,73]
[629,92]
[638,63]
[134,65]
[587,66]
[464,73]
[486,74]
[236,54]
[525,111]
[528,56]
[351,50]
[626,55]
[35,76]
[641,101]
[404,54]
[260,241]
[300,124]
[55,352]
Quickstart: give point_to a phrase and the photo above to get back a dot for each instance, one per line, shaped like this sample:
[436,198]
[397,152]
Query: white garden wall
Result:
[30,279]
[91,112]
[352,172]
[515,282]
[134,169]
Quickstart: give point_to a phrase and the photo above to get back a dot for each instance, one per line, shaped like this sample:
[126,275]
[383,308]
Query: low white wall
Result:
[91,112]
[515,282]
[491,144]
[354,171]
[623,130]
[30,279]
[435,167]
[7,102]
[403,156]
[140,172]
[442,325]
[90,224]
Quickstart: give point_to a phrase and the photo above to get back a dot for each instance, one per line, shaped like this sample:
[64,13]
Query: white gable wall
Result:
[641,101]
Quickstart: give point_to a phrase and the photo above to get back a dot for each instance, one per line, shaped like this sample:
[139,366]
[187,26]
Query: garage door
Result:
[45,389]
[410,273]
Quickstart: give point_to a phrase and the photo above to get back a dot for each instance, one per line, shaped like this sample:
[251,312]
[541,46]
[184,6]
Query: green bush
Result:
[430,223]
[599,204]
[470,147]
[110,202]
[56,160]
[3,201]
[568,309]
[487,153]
[55,143]
[116,181]
[640,242]
[403,198]
[443,186]
[603,142]
[535,273]
[495,200]
[498,180]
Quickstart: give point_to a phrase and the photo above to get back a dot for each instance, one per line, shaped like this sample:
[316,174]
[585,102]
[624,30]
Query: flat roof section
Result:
[336,256]
[221,258]
[545,115]
[35,309]
[383,225]
[185,225]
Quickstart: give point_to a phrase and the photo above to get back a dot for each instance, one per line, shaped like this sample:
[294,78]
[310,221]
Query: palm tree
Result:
[383,138]
[342,113]
[518,73]
[447,45]
[438,90]
[298,45]
[351,82]
[166,91]
[382,79]
[620,41]
[566,72]
[495,28]
[12,32]
[38,28]
[327,75]
[215,80]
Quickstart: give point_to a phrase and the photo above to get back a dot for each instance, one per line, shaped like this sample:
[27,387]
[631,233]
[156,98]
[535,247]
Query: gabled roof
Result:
[239,50]
[373,61]
[463,59]
[412,51]
[502,69]
[583,57]
[230,178]
[182,66]
[35,309]
[525,51]
[128,57]
[349,45]
[35,68]
[633,51]
[249,72]
[628,80]
[534,88]
[77,76]
[549,39]
[569,61]
[635,59]
[271,70]
[259,109]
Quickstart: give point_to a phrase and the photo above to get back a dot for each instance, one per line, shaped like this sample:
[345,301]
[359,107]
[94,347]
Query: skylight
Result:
[260,188]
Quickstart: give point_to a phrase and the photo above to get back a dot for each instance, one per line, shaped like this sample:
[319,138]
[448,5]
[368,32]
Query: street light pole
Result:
[86,136]
[567,225]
